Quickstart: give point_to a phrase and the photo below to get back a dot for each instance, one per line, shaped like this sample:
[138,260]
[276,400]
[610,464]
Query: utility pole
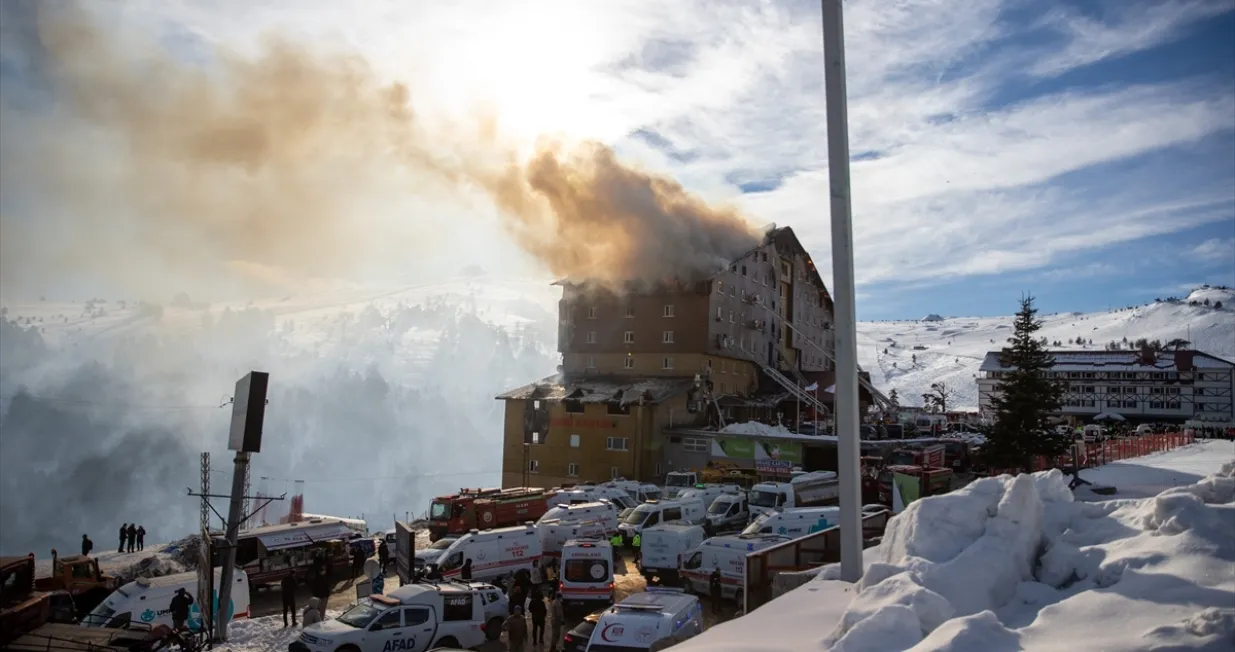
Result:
[846,395]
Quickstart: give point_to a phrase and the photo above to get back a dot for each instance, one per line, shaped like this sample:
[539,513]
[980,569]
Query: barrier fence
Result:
[1094,454]
[810,551]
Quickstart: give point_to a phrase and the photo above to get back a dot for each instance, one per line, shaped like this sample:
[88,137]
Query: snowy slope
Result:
[1016,564]
[953,348]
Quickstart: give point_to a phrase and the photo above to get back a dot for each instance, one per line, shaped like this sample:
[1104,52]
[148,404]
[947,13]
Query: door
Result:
[420,625]
[388,634]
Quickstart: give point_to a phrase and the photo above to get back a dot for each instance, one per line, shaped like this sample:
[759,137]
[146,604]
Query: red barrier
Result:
[1096,454]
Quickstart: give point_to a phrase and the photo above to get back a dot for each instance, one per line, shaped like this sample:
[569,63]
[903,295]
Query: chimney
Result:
[1184,361]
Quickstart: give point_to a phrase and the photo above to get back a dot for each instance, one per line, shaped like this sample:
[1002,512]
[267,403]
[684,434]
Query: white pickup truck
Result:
[412,618]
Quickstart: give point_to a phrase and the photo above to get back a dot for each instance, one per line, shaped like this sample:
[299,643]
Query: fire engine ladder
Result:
[795,389]
[881,401]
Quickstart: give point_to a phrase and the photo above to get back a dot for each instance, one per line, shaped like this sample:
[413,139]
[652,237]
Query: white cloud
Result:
[1215,250]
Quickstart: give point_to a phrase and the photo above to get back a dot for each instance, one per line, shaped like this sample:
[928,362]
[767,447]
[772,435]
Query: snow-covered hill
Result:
[910,355]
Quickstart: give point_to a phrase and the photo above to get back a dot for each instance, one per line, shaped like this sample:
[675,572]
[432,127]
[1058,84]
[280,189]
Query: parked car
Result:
[576,640]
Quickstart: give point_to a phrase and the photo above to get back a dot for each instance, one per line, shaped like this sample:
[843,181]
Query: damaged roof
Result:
[623,390]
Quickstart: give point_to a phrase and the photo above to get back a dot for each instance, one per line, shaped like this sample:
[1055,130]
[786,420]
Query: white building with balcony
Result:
[1166,387]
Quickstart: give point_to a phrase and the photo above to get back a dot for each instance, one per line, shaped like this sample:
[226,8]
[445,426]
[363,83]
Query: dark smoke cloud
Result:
[286,159]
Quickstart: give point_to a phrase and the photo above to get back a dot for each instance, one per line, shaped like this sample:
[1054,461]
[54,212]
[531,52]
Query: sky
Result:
[1083,151]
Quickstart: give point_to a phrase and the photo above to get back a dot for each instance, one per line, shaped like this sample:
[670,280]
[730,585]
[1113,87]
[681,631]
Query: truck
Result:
[813,489]
[269,553]
[931,456]
[80,576]
[485,509]
[932,481]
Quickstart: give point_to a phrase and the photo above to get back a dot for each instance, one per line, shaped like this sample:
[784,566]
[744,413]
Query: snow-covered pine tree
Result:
[1027,397]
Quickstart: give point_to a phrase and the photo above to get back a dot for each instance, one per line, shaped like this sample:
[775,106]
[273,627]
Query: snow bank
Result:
[1015,563]
[757,428]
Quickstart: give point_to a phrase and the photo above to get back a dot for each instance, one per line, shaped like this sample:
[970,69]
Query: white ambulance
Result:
[655,512]
[664,546]
[640,491]
[648,619]
[555,534]
[147,600]
[412,618]
[589,493]
[602,511]
[586,583]
[727,553]
[729,512]
[495,553]
[708,493]
[796,522]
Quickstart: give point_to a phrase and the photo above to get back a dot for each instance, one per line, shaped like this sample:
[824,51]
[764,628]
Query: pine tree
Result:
[894,398]
[1026,399]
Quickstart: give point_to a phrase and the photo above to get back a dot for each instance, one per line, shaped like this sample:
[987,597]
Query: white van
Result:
[641,492]
[796,522]
[590,494]
[661,511]
[603,511]
[729,512]
[644,619]
[586,582]
[147,600]
[412,618]
[708,493]
[679,481]
[727,553]
[495,553]
[812,489]
[555,534]
[664,546]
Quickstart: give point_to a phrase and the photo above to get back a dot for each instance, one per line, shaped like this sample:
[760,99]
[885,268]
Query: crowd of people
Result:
[132,538]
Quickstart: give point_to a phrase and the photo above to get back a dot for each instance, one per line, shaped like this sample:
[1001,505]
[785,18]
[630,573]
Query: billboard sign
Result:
[756,449]
[248,412]
[405,551]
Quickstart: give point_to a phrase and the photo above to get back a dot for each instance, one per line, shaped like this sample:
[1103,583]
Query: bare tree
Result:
[937,399]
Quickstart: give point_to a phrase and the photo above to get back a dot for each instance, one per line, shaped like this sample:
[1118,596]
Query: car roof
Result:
[656,601]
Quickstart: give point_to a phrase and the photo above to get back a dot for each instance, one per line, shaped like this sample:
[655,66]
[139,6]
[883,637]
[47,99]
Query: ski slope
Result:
[1010,564]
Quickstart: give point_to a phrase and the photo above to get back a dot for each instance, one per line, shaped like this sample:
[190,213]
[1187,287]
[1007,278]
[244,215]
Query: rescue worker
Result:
[465,573]
[141,538]
[635,543]
[357,562]
[536,607]
[132,537]
[321,586]
[616,541]
[288,588]
[517,596]
[124,534]
[86,546]
[714,591]
[516,630]
[558,613]
[312,614]
[383,554]
[180,608]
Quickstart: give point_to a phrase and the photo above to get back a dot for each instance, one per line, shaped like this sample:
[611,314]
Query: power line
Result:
[134,406]
[372,478]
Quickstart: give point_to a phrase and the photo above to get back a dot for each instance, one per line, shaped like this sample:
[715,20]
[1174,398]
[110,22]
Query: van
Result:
[707,493]
[1144,429]
[497,553]
[554,534]
[664,546]
[807,490]
[146,600]
[661,511]
[641,492]
[586,582]
[796,522]
[602,511]
[411,618]
[728,553]
[589,494]
[729,512]
[646,620]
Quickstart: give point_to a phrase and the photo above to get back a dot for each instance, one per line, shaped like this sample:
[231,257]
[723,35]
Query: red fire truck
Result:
[483,509]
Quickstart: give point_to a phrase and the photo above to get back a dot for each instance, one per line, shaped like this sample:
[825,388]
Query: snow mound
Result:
[932,317]
[756,428]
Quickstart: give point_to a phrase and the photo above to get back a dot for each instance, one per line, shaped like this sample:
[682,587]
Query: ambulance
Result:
[590,493]
[727,553]
[664,546]
[796,522]
[554,534]
[655,512]
[495,553]
[708,493]
[654,618]
[147,600]
[586,583]
[641,492]
[602,511]
[728,513]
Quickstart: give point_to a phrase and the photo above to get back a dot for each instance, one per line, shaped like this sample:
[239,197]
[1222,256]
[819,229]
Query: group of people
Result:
[132,538]
[525,596]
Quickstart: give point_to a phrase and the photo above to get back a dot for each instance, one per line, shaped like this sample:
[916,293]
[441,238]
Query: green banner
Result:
[745,448]
[733,447]
[909,486]
[786,451]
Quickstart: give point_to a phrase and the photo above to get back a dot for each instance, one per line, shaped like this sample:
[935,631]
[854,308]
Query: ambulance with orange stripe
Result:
[728,553]
[586,582]
[495,553]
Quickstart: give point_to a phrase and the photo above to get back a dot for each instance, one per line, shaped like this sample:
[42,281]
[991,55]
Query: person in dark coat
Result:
[714,590]
[517,596]
[124,535]
[86,546]
[537,609]
[288,589]
[132,536]
[383,554]
[321,587]
[357,562]
[465,573]
[141,538]
[180,608]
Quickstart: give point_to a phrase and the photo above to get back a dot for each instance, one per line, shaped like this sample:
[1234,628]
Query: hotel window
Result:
[666,337]
[536,438]
[533,466]
[616,443]
[743,295]
[591,312]
[574,441]
[572,469]
[630,312]
[666,363]
[668,310]
[628,337]
[695,445]
[730,316]
[629,363]
[591,337]
[1172,405]
[720,287]
[591,362]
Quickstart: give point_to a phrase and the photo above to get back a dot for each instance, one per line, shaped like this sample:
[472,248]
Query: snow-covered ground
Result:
[1015,563]
[1150,475]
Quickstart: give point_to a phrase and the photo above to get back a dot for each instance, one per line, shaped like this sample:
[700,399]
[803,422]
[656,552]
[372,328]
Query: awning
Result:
[295,538]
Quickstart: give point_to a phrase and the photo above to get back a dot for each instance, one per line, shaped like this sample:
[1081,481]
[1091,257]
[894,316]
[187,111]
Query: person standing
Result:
[465,573]
[180,608]
[86,546]
[132,536]
[714,591]
[124,534]
[536,607]
[636,543]
[141,538]
[516,630]
[517,596]
[288,588]
[383,554]
[558,613]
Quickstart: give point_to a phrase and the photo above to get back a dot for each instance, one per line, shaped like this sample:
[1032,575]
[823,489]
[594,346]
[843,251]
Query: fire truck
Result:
[483,509]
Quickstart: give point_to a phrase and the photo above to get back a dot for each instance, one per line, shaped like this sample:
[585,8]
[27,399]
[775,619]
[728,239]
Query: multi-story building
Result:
[638,362]
[1163,387]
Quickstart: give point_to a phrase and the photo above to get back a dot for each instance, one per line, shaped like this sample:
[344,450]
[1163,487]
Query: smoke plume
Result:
[290,159]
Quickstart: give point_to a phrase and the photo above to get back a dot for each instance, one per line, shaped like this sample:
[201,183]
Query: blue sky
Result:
[1083,150]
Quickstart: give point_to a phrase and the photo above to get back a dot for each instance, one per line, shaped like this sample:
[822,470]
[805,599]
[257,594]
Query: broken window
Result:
[574,406]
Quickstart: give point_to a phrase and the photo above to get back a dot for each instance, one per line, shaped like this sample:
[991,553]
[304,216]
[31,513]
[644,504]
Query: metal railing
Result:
[796,389]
